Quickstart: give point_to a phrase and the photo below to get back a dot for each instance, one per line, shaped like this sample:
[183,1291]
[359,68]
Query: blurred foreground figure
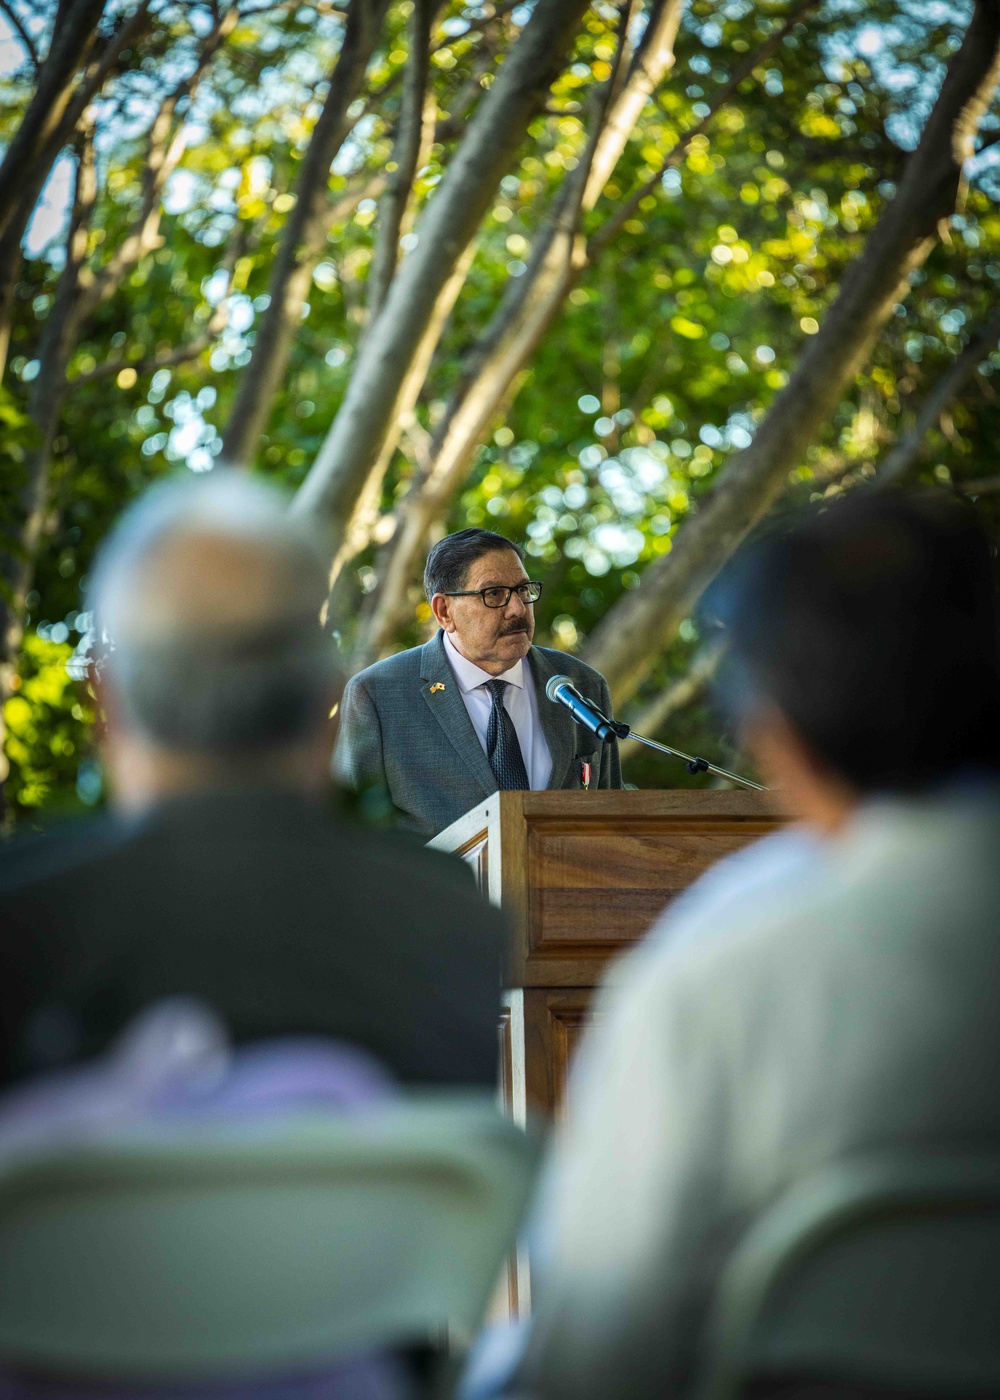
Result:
[220,875]
[859,1012]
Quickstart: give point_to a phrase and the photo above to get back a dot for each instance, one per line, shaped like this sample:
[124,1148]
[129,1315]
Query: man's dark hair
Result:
[449,561]
[873,625]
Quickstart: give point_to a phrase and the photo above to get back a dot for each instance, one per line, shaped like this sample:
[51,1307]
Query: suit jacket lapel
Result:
[448,708]
[557,725]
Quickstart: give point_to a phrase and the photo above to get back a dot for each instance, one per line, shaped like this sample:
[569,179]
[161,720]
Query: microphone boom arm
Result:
[561,691]
[694,764]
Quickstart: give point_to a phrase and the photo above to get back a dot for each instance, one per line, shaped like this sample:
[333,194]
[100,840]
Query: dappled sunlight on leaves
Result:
[671,345]
[49,719]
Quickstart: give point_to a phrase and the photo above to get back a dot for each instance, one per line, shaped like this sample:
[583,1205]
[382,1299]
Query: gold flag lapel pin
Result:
[438,685]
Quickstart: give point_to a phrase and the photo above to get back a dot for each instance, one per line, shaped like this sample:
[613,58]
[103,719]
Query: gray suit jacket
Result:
[416,743]
[856,1013]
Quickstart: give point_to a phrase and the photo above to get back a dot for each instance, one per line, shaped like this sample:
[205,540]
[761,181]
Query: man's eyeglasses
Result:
[500,597]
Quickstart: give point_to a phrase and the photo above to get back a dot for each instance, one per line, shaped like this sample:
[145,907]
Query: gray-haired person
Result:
[440,727]
[218,872]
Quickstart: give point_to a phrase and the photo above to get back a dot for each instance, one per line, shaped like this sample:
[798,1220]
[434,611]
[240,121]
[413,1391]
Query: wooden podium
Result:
[581,876]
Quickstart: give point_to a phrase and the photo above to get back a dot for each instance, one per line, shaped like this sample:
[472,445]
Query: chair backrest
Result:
[881,1270]
[258,1248]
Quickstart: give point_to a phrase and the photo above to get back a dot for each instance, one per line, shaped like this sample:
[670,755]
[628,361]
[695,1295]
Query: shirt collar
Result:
[470,676]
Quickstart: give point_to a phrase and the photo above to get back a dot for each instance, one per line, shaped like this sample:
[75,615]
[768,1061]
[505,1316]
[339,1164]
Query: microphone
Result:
[561,691]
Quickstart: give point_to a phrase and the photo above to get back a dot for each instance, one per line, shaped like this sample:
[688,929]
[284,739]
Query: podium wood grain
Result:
[582,875]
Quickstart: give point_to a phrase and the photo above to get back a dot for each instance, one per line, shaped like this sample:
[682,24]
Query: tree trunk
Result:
[528,308]
[643,622]
[11,262]
[302,240]
[641,78]
[366,509]
[382,389]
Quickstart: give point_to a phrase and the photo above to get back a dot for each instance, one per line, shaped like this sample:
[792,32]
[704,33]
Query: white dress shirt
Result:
[520,702]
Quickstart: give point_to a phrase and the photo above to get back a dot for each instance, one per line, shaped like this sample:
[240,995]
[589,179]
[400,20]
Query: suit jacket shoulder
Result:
[401,669]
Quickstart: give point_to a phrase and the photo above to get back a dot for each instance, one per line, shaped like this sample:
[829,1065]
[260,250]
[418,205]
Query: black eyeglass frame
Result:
[501,588]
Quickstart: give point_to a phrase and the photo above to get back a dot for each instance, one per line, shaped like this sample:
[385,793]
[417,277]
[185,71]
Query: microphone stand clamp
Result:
[693,762]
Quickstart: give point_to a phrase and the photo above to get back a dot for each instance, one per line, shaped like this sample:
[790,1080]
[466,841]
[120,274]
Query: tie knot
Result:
[496,689]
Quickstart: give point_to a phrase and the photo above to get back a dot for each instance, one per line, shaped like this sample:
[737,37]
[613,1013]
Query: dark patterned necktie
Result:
[502,747]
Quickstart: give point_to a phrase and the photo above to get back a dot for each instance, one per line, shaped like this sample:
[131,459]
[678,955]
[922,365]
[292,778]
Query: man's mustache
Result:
[509,631]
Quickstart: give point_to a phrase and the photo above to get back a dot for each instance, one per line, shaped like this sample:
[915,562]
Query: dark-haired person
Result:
[856,1014]
[219,873]
[440,727]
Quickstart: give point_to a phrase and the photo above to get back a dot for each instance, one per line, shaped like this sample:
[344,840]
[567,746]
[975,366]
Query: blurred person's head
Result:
[468,579]
[864,651]
[218,673]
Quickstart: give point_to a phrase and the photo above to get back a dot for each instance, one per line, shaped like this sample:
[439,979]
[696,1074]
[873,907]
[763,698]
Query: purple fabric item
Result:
[286,1075]
[175,1061]
[174,1067]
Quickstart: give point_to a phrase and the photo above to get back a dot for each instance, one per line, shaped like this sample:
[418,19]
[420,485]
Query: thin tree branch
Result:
[46,391]
[461,104]
[56,110]
[45,399]
[22,34]
[979,486]
[448,128]
[676,697]
[302,240]
[344,206]
[412,136]
[576,194]
[627,210]
[164,154]
[124,37]
[905,455]
[181,354]
[321,7]
[150,363]
[632,82]
[45,119]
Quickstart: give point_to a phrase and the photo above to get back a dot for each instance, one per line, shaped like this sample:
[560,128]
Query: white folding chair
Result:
[155,1256]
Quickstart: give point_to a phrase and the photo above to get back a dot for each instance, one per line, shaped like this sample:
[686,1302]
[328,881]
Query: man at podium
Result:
[440,727]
